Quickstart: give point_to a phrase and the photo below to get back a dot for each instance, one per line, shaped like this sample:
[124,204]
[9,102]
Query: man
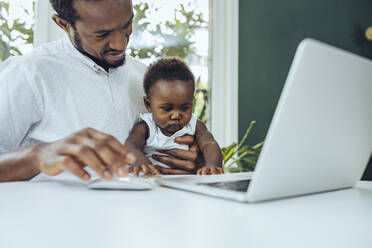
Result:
[70,104]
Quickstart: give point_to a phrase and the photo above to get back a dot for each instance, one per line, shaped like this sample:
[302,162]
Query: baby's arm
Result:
[135,142]
[210,149]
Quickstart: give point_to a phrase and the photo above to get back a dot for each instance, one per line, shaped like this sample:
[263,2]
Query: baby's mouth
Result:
[174,127]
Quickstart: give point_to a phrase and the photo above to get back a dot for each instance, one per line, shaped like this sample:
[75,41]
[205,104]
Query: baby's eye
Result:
[185,108]
[166,109]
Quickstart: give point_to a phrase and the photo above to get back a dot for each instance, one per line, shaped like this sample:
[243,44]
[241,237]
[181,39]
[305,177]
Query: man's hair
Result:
[167,69]
[65,9]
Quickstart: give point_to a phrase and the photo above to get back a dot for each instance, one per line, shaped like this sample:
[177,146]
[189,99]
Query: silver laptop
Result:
[320,138]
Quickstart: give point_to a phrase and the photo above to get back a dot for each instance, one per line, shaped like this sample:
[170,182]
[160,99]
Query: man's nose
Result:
[119,40]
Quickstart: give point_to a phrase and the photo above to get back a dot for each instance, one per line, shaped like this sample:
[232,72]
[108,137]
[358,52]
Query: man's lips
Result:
[115,55]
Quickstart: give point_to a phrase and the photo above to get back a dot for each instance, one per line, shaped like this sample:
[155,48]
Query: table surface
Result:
[66,214]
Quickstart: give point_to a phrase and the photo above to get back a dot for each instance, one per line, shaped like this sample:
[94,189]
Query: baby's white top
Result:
[159,141]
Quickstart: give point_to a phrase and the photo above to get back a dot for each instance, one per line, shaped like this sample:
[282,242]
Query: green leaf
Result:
[246,133]
[258,146]
[230,152]
[237,159]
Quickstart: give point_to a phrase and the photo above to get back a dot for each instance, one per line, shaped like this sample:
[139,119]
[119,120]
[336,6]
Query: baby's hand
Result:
[209,170]
[148,170]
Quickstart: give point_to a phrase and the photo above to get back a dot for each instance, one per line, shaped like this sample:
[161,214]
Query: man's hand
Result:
[88,147]
[181,162]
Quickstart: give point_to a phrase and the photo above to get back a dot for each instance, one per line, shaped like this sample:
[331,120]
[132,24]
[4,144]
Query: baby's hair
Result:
[167,69]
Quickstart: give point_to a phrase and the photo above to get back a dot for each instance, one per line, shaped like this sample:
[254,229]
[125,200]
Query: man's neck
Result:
[99,62]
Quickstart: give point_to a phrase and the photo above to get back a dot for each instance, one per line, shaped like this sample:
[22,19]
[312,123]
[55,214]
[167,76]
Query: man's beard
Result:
[101,62]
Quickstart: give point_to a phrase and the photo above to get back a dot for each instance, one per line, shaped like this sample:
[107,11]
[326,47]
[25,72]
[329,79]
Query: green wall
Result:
[269,32]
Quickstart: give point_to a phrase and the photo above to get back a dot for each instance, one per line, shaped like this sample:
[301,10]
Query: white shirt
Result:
[159,141]
[55,91]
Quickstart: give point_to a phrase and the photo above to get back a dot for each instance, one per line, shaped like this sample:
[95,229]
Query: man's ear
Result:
[147,102]
[62,23]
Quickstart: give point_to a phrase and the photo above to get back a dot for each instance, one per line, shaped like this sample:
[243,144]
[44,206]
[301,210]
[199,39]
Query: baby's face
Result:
[171,105]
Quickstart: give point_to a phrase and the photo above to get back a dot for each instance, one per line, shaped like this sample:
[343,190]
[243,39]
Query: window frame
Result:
[224,57]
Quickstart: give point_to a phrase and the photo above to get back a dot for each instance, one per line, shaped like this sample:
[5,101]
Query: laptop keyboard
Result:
[241,185]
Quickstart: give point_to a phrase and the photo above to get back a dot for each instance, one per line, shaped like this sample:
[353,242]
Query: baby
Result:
[169,87]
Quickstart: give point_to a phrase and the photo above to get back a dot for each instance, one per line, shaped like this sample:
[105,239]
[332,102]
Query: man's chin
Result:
[115,64]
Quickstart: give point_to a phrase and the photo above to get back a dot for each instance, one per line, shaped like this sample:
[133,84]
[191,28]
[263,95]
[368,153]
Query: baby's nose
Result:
[175,115]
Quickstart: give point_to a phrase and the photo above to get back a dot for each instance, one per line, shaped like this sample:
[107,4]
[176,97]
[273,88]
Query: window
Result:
[179,28]
[16,27]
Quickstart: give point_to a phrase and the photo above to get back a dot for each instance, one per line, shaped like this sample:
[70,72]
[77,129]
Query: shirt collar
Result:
[84,59]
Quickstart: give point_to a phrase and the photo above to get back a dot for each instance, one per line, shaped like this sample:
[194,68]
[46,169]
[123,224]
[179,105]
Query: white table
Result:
[57,214]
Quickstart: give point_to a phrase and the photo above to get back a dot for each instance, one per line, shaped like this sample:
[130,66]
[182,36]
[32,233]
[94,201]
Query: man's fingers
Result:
[174,162]
[125,155]
[181,154]
[154,171]
[130,169]
[86,156]
[186,140]
[145,171]
[136,170]
[220,170]
[194,148]
[169,171]
[94,149]
[122,170]
[72,166]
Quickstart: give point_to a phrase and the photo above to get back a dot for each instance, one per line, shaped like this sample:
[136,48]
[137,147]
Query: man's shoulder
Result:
[136,64]
[43,55]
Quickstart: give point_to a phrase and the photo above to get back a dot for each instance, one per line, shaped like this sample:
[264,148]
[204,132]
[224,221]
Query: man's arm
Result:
[21,106]
[19,110]
[88,147]
[18,165]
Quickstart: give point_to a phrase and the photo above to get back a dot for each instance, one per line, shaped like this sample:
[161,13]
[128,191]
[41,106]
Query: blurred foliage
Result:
[173,37]
[200,101]
[18,31]
[244,157]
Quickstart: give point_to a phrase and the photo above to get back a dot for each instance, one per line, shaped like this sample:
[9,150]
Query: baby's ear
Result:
[147,102]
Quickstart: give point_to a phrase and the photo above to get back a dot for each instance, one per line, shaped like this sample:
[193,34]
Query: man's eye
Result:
[166,109]
[127,25]
[101,36]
